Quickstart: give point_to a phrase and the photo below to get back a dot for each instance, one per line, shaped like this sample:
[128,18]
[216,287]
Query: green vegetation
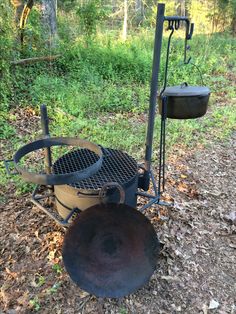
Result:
[100,91]
[99,88]
[123,310]
[54,288]
[35,304]
[6,45]
[40,281]
[57,268]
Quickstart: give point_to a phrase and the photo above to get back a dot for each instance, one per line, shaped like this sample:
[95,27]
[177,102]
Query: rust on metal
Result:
[110,250]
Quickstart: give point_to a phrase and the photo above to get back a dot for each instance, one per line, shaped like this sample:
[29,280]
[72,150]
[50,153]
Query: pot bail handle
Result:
[183,85]
[107,186]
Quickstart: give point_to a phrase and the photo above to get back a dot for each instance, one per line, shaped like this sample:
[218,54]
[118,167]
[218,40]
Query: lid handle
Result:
[109,185]
[183,85]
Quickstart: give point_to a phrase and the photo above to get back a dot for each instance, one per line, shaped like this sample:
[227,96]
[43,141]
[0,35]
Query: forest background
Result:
[90,63]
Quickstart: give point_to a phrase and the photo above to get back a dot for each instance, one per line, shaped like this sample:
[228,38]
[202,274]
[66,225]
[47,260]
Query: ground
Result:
[196,269]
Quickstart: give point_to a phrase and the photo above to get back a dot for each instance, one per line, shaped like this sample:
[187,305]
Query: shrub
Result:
[6,44]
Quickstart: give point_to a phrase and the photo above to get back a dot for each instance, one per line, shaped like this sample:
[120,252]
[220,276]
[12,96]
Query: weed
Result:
[123,310]
[6,129]
[41,281]
[54,288]
[57,268]
[22,187]
[35,304]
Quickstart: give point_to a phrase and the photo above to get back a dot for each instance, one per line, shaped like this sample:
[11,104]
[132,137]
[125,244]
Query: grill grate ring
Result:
[117,167]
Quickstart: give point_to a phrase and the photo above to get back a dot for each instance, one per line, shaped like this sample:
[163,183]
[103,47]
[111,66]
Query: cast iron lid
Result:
[110,250]
[186,90]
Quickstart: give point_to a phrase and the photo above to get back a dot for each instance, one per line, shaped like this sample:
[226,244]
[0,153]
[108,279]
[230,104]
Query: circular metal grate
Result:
[117,167]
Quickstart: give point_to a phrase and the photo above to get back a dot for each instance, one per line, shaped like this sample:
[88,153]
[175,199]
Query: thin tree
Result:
[232,4]
[125,21]
[49,21]
[19,6]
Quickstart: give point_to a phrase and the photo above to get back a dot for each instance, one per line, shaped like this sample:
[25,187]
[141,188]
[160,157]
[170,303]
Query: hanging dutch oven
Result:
[184,101]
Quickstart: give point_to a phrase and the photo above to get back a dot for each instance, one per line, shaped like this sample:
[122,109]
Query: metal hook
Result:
[167,58]
[170,25]
[177,24]
[188,36]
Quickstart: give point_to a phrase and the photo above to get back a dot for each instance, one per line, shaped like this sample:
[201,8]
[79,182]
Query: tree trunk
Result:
[125,22]
[49,21]
[186,5]
[233,25]
[139,11]
[180,7]
[214,17]
[22,10]
[19,6]
[232,9]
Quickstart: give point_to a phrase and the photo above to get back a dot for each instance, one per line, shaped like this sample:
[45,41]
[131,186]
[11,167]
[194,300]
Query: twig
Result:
[34,60]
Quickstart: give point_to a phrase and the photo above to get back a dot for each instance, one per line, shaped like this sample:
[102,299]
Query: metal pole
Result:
[154,88]
[45,128]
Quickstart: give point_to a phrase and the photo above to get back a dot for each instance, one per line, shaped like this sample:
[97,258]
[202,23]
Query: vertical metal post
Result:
[45,128]
[154,90]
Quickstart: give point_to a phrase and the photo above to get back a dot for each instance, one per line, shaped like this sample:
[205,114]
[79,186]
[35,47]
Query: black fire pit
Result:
[117,166]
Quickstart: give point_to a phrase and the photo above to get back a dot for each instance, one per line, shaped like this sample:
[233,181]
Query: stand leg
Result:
[156,199]
[164,108]
[161,176]
[45,128]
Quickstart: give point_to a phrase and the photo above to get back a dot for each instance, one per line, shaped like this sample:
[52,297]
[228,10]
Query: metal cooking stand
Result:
[147,176]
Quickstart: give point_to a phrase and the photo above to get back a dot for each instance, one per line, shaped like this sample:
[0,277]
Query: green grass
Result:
[101,92]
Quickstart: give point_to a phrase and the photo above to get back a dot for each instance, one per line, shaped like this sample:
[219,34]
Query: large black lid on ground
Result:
[110,250]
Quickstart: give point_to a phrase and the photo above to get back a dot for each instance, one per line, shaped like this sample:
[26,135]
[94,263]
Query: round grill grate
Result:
[117,167]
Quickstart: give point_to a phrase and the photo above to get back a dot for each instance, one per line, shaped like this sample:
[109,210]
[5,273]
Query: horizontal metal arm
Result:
[190,27]
[176,18]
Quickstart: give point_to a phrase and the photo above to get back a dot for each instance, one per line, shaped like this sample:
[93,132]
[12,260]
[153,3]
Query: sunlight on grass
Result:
[101,92]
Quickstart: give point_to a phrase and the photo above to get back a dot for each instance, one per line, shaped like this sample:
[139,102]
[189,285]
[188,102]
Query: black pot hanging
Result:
[185,102]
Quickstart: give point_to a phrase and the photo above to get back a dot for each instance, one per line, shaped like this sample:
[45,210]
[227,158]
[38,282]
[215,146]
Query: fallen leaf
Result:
[213,305]
[170,278]
[204,309]
[13,274]
[83,294]
[231,217]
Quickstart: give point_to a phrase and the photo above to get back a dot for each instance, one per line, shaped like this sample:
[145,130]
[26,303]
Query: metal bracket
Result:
[154,199]
[35,199]
[174,24]
[144,180]
[109,185]
[158,190]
